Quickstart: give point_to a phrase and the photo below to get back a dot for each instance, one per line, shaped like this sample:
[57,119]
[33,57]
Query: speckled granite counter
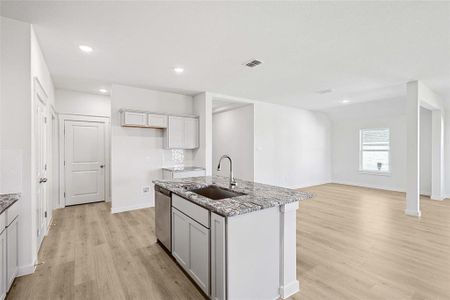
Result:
[6,200]
[258,196]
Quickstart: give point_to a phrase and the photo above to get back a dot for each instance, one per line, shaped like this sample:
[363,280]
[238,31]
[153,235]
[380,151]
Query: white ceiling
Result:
[362,50]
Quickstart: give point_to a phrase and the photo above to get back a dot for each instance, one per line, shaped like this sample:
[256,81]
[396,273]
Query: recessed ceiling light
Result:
[85,48]
[103,91]
[178,70]
[345,101]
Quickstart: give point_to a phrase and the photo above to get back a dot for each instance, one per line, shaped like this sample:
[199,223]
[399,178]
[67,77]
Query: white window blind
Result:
[374,150]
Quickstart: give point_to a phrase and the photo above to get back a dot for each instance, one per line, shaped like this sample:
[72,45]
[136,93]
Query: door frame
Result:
[39,96]
[84,118]
[53,162]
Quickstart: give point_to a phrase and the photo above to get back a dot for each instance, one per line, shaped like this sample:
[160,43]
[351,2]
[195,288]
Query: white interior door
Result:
[41,166]
[84,159]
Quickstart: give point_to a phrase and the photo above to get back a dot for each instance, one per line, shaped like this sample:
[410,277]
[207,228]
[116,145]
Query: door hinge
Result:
[45,167]
[64,163]
[45,214]
[64,194]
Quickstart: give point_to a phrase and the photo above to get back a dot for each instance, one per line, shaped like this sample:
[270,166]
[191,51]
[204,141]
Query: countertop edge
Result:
[9,199]
[241,208]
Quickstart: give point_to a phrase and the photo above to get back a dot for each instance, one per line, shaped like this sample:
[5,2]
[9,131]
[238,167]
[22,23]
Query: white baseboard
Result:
[115,210]
[289,289]
[413,213]
[437,197]
[371,186]
[26,270]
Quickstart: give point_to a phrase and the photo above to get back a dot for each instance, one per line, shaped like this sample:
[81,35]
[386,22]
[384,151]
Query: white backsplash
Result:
[177,158]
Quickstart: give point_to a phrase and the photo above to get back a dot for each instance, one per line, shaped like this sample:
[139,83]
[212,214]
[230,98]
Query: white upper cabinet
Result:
[191,133]
[181,133]
[156,121]
[134,119]
[175,133]
[143,119]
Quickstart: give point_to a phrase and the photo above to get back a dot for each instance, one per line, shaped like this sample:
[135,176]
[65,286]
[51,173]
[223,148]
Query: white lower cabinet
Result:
[199,254]
[218,257]
[3,264]
[190,247]
[9,239]
[12,240]
[180,238]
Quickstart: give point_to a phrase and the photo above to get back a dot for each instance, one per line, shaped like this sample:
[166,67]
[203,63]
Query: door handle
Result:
[42,180]
[102,166]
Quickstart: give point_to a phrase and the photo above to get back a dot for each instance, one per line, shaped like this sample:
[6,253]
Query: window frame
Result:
[373,172]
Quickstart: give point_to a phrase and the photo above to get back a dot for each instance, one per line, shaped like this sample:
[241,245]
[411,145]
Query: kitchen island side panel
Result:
[253,256]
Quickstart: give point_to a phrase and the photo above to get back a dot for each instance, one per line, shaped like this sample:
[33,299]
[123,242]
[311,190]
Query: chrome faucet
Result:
[232,180]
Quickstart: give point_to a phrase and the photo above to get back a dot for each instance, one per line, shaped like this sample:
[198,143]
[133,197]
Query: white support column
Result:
[203,108]
[437,148]
[412,149]
[289,284]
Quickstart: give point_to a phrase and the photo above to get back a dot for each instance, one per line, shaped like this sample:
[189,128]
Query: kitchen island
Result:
[235,242]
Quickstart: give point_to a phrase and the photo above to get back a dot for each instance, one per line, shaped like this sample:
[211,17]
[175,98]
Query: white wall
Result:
[349,119]
[21,62]
[346,123]
[16,126]
[71,102]
[137,154]
[232,134]
[292,146]
[40,70]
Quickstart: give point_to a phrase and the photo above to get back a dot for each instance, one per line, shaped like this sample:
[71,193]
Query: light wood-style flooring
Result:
[352,243]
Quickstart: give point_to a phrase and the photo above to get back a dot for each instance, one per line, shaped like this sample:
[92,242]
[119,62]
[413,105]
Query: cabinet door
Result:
[157,121]
[218,255]
[199,254]
[3,265]
[180,238]
[12,239]
[191,133]
[136,119]
[175,132]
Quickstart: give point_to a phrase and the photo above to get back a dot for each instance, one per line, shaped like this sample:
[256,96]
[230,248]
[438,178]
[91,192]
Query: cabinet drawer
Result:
[187,174]
[157,121]
[194,211]
[11,213]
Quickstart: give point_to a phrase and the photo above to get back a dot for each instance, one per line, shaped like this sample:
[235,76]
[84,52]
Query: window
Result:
[374,150]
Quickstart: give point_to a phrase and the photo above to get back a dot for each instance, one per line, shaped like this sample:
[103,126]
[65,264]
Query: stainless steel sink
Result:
[216,193]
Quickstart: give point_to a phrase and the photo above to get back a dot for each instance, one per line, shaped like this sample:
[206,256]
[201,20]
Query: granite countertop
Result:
[258,196]
[6,200]
[183,169]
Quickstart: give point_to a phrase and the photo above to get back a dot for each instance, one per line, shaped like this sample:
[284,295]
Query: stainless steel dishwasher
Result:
[163,216]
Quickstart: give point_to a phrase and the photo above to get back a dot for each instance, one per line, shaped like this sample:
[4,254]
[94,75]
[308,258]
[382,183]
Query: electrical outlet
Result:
[146,190]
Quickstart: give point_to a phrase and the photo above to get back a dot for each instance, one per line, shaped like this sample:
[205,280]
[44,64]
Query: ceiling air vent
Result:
[253,63]
[324,91]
